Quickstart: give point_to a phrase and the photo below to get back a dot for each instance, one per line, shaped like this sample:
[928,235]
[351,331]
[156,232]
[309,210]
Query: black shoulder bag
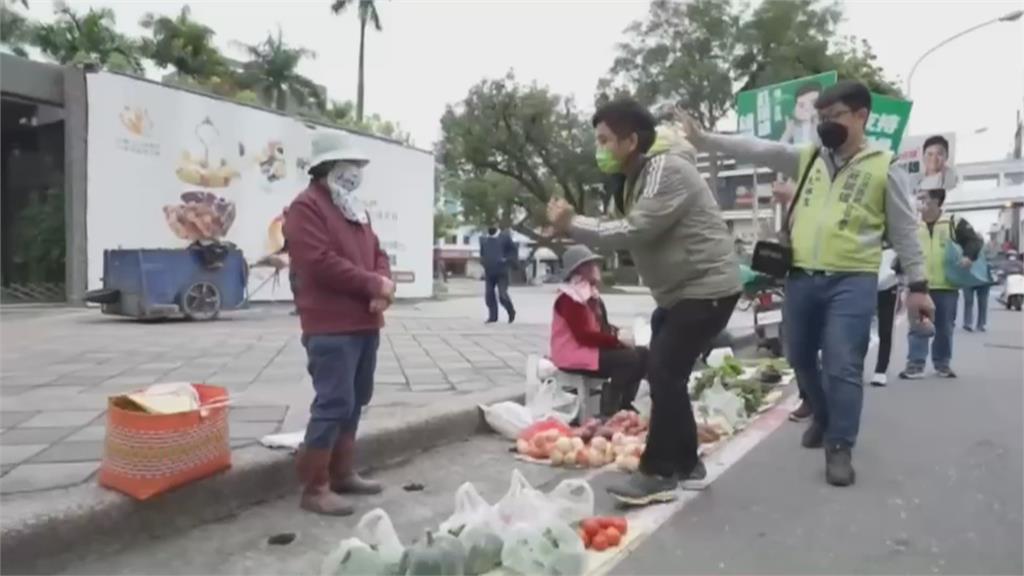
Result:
[775,258]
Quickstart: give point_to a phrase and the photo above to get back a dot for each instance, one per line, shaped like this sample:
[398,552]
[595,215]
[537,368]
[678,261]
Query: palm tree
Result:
[367,14]
[183,44]
[271,73]
[89,39]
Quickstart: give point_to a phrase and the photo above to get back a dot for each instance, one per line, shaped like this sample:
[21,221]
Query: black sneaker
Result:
[489,321]
[697,479]
[839,465]
[814,436]
[639,489]
[802,412]
[946,372]
[511,316]
[912,374]
[968,328]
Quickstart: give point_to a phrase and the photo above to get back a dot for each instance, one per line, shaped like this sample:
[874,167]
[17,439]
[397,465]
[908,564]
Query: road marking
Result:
[646,521]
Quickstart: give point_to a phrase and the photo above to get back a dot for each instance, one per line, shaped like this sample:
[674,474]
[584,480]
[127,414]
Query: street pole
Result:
[1011,17]
[755,219]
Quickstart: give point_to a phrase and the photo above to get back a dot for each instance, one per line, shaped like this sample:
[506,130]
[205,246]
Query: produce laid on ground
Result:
[753,385]
[603,532]
[619,440]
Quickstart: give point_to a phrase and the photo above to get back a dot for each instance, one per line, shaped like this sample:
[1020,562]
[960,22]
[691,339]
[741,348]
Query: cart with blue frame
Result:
[197,282]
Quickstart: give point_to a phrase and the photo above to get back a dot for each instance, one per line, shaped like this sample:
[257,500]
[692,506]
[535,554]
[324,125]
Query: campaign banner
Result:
[167,167]
[783,112]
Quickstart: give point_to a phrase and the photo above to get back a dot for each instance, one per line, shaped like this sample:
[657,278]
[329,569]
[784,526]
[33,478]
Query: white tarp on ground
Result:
[149,143]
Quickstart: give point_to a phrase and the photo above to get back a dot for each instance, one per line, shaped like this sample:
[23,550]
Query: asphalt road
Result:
[939,484]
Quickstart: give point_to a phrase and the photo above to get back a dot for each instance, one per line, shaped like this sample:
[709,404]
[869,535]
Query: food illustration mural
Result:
[275,234]
[136,121]
[202,169]
[269,159]
[200,216]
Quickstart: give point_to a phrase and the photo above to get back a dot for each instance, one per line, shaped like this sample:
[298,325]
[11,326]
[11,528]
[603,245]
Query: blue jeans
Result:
[942,342]
[982,293]
[497,282]
[342,368]
[831,313]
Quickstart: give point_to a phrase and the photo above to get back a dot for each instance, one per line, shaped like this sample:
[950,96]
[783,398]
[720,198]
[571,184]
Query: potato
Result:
[557,457]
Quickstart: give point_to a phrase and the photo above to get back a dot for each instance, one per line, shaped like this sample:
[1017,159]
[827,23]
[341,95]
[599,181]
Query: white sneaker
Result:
[879,380]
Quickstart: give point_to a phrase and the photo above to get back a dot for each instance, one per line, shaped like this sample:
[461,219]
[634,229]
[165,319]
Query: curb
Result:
[88,520]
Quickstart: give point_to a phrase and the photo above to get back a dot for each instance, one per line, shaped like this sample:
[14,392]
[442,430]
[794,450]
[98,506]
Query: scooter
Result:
[765,299]
[1013,292]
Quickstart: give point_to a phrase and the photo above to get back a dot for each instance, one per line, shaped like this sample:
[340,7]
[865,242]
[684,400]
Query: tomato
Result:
[620,524]
[591,527]
[613,536]
[599,542]
[603,521]
[584,537]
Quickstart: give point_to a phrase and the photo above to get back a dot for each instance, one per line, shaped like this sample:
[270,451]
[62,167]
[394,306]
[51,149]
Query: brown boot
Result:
[315,477]
[344,478]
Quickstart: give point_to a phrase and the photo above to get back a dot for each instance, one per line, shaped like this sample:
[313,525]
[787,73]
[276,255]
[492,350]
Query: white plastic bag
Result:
[716,400]
[522,503]
[471,510]
[507,418]
[545,546]
[353,557]
[549,400]
[642,402]
[641,332]
[717,356]
[377,531]
[573,500]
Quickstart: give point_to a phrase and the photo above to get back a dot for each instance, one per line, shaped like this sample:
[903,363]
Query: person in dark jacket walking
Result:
[497,253]
[346,286]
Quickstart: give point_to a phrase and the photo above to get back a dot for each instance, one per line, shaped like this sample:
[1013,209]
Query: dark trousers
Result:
[342,368]
[682,334]
[497,283]
[886,315]
[624,368]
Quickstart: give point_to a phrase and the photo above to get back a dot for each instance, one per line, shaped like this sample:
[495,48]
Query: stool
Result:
[584,386]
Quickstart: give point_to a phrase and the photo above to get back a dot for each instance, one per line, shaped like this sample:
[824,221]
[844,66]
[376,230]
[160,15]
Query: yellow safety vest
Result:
[838,224]
[934,243]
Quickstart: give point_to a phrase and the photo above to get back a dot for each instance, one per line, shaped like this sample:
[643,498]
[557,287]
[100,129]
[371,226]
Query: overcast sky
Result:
[431,51]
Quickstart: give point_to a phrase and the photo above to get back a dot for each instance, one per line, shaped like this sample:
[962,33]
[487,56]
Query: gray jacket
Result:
[900,215]
[674,230]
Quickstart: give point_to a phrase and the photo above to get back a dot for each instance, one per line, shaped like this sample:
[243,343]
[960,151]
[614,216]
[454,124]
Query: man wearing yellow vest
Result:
[853,197]
[935,231]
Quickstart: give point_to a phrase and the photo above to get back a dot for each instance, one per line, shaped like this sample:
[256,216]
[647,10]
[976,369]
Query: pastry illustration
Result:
[200,216]
[202,170]
[136,121]
[270,160]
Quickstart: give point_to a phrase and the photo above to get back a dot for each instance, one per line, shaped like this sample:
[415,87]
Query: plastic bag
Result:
[377,531]
[544,545]
[550,423]
[507,418]
[522,503]
[642,402]
[573,500]
[545,397]
[717,356]
[353,557]
[641,332]
[716,400]
[471,510]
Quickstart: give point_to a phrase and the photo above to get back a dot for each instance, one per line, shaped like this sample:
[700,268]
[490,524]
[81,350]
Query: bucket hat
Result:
[577,256]
[331,147]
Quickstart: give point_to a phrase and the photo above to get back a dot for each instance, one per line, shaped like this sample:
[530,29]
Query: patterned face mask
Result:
[343,180]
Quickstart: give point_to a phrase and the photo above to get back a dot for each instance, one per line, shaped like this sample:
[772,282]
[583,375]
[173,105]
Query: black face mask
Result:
[492,231]
[832,134]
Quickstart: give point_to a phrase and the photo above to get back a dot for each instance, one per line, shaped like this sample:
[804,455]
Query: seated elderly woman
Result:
[582,340]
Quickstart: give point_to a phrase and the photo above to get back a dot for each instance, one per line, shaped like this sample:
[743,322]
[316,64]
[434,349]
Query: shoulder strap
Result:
[800,186]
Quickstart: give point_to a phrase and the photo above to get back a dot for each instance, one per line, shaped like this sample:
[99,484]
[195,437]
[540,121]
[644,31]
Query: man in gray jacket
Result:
[672,225]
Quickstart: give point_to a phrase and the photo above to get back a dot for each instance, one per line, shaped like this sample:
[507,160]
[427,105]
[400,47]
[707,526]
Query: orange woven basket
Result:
[149,454]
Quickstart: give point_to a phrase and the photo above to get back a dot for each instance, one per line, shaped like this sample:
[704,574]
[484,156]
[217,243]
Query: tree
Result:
[272,73]
[89,39]
[506,140]
[786,39]
[16,31]
[682,52]
[367,15]
[183,44]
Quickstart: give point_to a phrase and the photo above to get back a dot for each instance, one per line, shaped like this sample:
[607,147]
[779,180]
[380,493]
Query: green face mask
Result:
[606,162]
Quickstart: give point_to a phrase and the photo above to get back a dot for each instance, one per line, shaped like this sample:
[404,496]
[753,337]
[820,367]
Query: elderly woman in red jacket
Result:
[582,340]
[345,281]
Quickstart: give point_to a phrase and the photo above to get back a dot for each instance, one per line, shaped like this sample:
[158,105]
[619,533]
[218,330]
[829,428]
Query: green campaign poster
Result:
[785,111]
[888,121]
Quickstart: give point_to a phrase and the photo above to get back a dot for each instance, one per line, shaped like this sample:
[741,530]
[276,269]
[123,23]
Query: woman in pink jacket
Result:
[582,340]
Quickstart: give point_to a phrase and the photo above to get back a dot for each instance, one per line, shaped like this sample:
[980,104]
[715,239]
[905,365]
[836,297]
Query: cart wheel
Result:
[201,301]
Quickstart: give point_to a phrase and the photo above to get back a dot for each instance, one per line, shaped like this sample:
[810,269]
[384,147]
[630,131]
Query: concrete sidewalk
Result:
[437,363]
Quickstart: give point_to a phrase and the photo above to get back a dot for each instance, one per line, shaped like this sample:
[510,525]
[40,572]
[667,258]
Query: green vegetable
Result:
[483,550]
[752,394]
[354,558]
[731,367]
[443,555]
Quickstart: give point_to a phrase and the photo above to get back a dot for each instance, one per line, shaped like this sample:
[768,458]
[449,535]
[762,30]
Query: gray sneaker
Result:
[813,436]
[912,373]
[697,479]
[640,489]
[839,465]
[945,372]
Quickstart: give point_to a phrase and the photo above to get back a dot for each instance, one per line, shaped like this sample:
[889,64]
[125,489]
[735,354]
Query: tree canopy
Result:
[88,39]
[272,72]
[183,44]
